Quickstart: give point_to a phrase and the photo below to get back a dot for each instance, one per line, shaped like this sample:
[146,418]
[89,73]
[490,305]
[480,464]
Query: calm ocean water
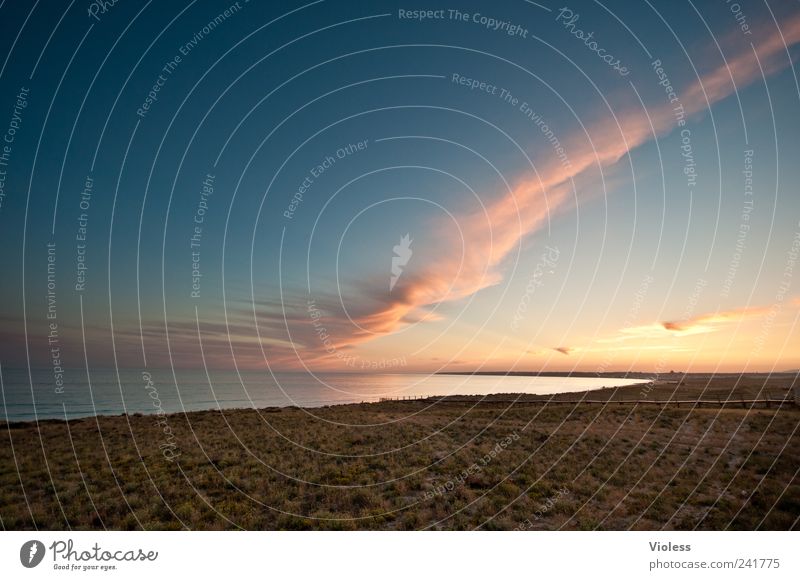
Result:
[111,393]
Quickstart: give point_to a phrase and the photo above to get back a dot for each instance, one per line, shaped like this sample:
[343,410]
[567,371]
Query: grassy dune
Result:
[412,465]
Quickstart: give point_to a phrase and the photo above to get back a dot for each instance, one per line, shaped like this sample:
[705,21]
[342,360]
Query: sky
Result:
[383,186]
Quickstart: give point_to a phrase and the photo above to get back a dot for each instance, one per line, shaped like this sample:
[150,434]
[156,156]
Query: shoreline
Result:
[682,388]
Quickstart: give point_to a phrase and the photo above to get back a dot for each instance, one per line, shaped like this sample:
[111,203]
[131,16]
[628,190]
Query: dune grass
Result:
[405,466]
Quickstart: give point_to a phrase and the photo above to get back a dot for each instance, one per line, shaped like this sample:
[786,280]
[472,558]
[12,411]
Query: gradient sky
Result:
[579,226]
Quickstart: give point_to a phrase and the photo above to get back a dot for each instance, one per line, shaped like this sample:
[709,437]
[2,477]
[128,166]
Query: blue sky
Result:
[261,98]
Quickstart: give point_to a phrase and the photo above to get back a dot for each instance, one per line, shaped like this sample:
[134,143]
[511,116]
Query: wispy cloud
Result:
[712,321]
[469,264]
[701,324]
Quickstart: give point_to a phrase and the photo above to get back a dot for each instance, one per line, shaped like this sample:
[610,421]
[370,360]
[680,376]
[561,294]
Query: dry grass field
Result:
[414,465]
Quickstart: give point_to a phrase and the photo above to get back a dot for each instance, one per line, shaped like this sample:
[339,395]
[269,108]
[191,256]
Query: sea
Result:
[36,395]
